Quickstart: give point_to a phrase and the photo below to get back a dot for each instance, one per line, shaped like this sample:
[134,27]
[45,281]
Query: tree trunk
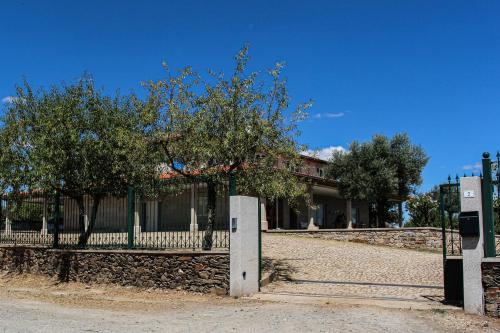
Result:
[400,213]
[211,206]
[85,234]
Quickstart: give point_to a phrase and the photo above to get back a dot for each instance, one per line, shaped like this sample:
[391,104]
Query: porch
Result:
[327,211]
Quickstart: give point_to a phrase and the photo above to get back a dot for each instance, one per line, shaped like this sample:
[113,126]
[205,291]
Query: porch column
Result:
[86,221]
[44,230]
[8,223]
[310,212]
[264,225]
[137,220]
[348,215]
[193,226]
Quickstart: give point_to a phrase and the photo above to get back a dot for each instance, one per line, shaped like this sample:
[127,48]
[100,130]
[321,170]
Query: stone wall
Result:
[191,271]
[490,268]
[428,239]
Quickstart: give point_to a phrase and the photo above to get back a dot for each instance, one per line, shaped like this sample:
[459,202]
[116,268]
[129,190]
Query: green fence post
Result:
[443,221]
[487,196]
[57,198]
[130,216]
[232,184]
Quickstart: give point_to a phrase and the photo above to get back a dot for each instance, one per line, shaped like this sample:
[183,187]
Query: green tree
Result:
[220,126]
[379,171]
[423,210]
[408,161]
[76,140]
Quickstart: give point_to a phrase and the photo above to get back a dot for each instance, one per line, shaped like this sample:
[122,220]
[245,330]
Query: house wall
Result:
[221,210]
[175,212]
[171,212]
[111,214]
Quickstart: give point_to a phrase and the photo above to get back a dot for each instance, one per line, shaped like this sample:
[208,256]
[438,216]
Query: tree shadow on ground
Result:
[282,270]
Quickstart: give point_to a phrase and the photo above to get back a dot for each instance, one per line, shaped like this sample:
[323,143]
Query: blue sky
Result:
[428,68]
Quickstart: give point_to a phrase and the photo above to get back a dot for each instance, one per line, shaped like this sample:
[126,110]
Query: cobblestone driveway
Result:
[317,267]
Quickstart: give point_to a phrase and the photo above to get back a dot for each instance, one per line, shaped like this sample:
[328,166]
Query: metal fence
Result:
[490,197]
[173,215]
[449,205]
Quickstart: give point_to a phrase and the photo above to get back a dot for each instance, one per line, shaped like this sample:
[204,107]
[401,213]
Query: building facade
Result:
[327,208]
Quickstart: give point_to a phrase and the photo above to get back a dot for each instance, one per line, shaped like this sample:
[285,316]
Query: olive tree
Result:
[219,126]
[74,139]
[423,210]
[379,171]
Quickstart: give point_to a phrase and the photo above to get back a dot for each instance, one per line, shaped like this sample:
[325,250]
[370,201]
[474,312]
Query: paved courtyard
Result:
[335,269]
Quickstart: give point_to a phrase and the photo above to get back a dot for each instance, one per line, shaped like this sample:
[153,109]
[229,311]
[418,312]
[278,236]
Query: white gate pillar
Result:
[472,247]
[244,250]
[264,225]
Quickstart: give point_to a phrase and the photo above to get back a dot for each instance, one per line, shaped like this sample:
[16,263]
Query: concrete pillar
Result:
[264,225]
[193,226]
[310,213]
[348,214]
[8,223]
[45,214]
[137,219]
[472,247]
[8,226]
[244,251]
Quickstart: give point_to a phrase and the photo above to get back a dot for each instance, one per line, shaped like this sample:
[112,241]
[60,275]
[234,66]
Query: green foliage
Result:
[74,139]
[220,125]
[378,171]
[423,210]
[26,211]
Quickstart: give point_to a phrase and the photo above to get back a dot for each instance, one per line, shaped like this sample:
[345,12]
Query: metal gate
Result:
[449,204]
[490,197]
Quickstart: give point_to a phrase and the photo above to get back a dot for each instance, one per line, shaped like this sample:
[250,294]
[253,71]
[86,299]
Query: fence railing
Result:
[173,215]
[449,206]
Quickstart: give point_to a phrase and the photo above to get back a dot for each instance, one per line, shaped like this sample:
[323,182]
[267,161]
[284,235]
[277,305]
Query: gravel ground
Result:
[318,278]
[33,304]
[311,266]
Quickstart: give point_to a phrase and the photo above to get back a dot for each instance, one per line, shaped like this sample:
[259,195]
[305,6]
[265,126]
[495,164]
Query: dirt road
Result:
[33,304]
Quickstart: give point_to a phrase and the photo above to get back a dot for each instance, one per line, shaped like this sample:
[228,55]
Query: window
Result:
[319,214]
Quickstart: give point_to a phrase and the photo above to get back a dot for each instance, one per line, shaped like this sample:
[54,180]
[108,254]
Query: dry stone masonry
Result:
[190,271]
[428,239]
[491,286]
